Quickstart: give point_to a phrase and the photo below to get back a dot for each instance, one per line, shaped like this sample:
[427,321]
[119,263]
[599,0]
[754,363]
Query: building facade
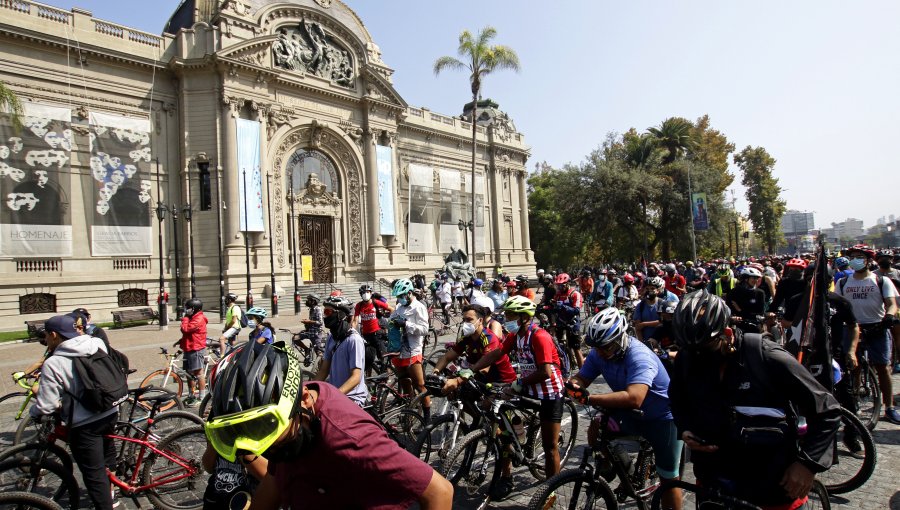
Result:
[273,127]
[797,223]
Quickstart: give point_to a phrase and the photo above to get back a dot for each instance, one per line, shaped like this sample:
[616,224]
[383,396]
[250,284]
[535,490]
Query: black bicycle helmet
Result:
[254,378]
[314,299]
[194,304]
[699,318]
[366,288]
[339,303]
[231,297]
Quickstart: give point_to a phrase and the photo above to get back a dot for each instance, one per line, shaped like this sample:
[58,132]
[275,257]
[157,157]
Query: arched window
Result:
[305,165]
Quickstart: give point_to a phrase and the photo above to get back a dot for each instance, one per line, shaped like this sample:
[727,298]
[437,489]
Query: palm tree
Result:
[673,135]
[9,102]
[479,58]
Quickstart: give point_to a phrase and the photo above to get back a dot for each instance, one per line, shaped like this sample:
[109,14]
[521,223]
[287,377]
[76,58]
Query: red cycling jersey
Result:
[365,310]
[474,349]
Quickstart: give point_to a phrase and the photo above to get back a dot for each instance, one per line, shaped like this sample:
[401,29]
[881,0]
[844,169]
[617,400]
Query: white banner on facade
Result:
[118,240]
[32,240]
[248,169]
[35,178]
[480,229]
[421,210]
[385,160]
[120,175]
[451,212]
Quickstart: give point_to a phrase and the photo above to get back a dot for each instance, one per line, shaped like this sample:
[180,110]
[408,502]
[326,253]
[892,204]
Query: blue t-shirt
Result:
[265,333]
[344,357]
[645,312]
[640,366]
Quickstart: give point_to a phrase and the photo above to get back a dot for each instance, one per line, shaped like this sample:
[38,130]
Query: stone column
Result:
[230,175]
[496,212]
[523,211]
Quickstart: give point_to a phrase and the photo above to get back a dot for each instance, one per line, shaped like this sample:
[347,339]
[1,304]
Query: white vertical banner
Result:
[249,194]
[421,211]
[451,205]
[385,161]
[479,214]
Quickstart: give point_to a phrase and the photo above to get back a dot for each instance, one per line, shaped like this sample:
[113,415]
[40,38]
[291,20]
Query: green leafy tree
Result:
[10,103]
[479,58]
[674,135]
[763,194]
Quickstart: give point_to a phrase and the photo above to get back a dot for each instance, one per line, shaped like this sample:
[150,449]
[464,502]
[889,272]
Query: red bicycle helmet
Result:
[562,279]
[862,248]
[628,278]
[796,264]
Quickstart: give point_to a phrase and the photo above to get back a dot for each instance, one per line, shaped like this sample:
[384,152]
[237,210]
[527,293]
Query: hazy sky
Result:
[814,82]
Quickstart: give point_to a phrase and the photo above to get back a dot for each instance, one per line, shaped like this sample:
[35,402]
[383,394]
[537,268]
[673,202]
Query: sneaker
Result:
[502,489]
[892,415]
[853,446]
[191,402]
[115,501]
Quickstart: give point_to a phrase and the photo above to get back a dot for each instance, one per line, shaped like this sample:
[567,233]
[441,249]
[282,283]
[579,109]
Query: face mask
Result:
[601,279]
[367,296]
[884,264]
[403,301]
[251,323]
[511,326]
[337,326]
[306,439]
[857,264]
[467,329]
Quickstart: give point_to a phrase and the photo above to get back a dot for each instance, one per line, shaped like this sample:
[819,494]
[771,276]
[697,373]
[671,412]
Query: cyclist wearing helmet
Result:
[842,268]
[675,283]
[323,450]
[722,282]
[261,331]
[603,291]
[736,399]
[646,313]
[522,288]
[366,313]
[874,304]
[344,358]
[586,284]
[411,318]
[884,259]
[568,303]
[747,301]
[315,322]
[539,377]
[627,292]
[232,322]
[790,285]
[638,380]
[193,344]
[476,297]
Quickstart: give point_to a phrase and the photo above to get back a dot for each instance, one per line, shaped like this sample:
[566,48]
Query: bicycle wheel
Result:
[12,409]
[156,379]
[868,397]
[187,444]
[437,438]
[404,427]
[387,399]
[205,406]
[48,479]
[167,422]
[573,489]
[26,501]
[27,430]
[568,432]
[32,451]
[818,497]
[848,471]
[470,466]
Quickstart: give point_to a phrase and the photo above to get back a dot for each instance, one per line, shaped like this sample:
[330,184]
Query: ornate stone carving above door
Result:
[308,49]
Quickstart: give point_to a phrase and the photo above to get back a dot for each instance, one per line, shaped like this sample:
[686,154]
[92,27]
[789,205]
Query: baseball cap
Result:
[64,325]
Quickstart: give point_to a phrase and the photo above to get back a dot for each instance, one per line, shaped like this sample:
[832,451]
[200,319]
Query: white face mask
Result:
[858,263]
[251,323]
[367,296]
[467,329]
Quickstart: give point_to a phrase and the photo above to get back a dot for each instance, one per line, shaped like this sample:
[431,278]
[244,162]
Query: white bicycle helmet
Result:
[607,327]
[657,282]
[748,272]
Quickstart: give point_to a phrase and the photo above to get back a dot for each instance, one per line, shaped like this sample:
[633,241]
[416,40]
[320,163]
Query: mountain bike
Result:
[865,386]
[173,378]
[26,501]
[14,407]
[850,471]
[720,499]
[612,455]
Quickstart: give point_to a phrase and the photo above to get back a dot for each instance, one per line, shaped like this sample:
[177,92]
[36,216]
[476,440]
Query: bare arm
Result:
[351,381]
[631,398]
[438,494]
[323,370]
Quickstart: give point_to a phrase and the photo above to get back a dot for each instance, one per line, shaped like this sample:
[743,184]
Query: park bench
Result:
[33,327]
[120,317]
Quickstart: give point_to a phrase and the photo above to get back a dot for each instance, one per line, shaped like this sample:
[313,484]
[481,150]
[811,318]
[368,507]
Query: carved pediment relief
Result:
[316,194]
[378,88]
[307,48]
[254,52]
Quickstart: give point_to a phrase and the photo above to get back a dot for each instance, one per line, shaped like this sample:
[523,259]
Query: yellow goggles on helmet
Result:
[255,430]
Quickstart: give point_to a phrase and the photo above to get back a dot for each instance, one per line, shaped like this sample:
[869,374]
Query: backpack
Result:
[103,378]
[243,318]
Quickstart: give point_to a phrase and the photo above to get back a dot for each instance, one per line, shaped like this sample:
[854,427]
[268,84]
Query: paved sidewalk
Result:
[141,344]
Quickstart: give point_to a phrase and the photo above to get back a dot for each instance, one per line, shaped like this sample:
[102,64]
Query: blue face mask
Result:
[403,301]
[858,264]
[251,323]
[511,326]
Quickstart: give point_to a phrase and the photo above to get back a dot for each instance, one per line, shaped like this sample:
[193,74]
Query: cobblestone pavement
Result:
[141,344]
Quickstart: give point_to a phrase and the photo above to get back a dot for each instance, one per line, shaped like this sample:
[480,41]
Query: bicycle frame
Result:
[129,487]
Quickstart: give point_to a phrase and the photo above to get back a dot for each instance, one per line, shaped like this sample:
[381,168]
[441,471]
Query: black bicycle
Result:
[719,499]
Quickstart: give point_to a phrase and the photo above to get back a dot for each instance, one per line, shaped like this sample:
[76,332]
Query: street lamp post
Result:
[179,306]
[188,214]
[273,294]
[161,215]
[463,226]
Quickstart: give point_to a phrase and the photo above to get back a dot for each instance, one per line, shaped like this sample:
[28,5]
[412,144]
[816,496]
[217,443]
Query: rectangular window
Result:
[205,187]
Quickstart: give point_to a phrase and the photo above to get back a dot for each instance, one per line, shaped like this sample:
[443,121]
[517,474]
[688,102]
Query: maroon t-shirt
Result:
[355,465]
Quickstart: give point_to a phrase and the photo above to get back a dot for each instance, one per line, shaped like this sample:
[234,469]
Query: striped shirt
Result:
[534,347]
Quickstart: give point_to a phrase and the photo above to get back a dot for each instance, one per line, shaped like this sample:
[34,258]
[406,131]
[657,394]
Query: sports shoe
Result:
[892,415]
[502,489]
[191,402]
[853,446]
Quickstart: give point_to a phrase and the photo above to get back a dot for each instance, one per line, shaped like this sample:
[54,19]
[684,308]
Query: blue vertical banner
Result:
[249,161]
[385,157]
[699,211]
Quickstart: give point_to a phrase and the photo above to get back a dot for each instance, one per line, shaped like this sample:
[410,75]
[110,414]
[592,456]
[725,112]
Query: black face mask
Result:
[306,439]
[337,326]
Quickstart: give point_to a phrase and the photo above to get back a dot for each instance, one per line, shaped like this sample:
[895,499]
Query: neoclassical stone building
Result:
[276,122]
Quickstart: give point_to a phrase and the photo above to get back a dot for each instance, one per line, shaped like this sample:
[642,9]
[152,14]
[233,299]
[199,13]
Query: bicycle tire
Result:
[435,440]
[205,406]
[185,494]
[26,431]
[554,492]
[472,464]
[868,397]
[167,422]
[403,426]
[856,472]
[54,481]
[10,405]
[54,452]
[818,497]
[568,435]
[387,398]
[27,501]
[174,385]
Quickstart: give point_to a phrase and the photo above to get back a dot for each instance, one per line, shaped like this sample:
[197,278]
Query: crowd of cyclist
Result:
[688,344]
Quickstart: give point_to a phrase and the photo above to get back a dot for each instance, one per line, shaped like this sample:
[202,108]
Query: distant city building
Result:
[850,229]
[795,223]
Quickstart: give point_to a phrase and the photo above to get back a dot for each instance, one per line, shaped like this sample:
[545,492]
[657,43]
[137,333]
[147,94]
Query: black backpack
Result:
[103,379]
[243,319]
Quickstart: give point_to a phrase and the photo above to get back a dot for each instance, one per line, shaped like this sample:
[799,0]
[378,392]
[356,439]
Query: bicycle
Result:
[308,344]
[26,501]
[449,423]
[169,472]
[720,499]
[510,427]
[608,458]
[173,377]
[15,403]
[849,472]
[866,389]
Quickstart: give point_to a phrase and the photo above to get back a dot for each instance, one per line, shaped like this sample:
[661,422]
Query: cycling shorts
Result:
[570,335]
[231,333]
[551,410]
[663,437]
[406,362]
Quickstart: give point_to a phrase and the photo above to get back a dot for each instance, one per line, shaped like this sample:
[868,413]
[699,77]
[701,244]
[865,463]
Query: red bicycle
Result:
[168,472]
